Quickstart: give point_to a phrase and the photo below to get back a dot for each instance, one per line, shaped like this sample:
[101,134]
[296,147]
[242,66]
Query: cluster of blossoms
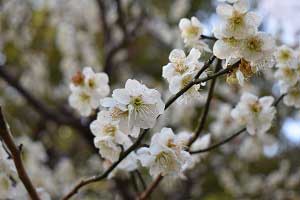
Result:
[180,71]
[238,38]
[136,107]
[87,89]
[167,154]
[129,109]
[288,74]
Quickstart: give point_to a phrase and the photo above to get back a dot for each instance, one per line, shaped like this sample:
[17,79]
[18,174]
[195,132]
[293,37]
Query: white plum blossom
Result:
[87,89]
[144,105]
[227,48]
[258,48]
[285,55]
[179,82]
[256,113]
[286,75]
[108,136]
[165,156]
[191,29]
[180,71]
[120,113]
[181,64]
[236,21]
[292,98]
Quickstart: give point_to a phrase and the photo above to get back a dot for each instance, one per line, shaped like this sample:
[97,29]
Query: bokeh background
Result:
[44,42]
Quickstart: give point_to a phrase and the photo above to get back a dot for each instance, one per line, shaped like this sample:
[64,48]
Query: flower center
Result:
[180,68]
[285,55]
[255,107]
[288,72]
[84,96]
[254,44]
[237,20]
[110,129]
[231,41]
[91,83]
[137,102]
[164,159]
[192,31]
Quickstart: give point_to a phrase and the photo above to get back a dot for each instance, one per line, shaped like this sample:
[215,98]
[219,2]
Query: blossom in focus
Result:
[165,155]
[87,88]
[144,105]
[255,113]
[181,64]
[258,47]
[108,136]
[119,112]
[180,71]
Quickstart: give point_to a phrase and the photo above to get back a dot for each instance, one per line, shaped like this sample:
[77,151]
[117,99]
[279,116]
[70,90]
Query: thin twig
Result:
[206,107]
[150,189]
[219,144]
[208,37]
[134,182]
[16,156]
[139,175]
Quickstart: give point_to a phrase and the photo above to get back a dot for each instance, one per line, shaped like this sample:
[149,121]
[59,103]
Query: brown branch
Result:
[206,107]
[208,37]
[16,156]
[150,188]
[215,146]
[140,177]
[128,37]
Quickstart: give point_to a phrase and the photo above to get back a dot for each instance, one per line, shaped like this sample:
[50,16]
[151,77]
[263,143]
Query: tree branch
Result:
[43,110]
[208,37]
[206,107]
[150,189]
[15,153]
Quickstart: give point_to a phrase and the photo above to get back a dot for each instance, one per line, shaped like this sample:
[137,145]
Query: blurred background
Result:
[44,42]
